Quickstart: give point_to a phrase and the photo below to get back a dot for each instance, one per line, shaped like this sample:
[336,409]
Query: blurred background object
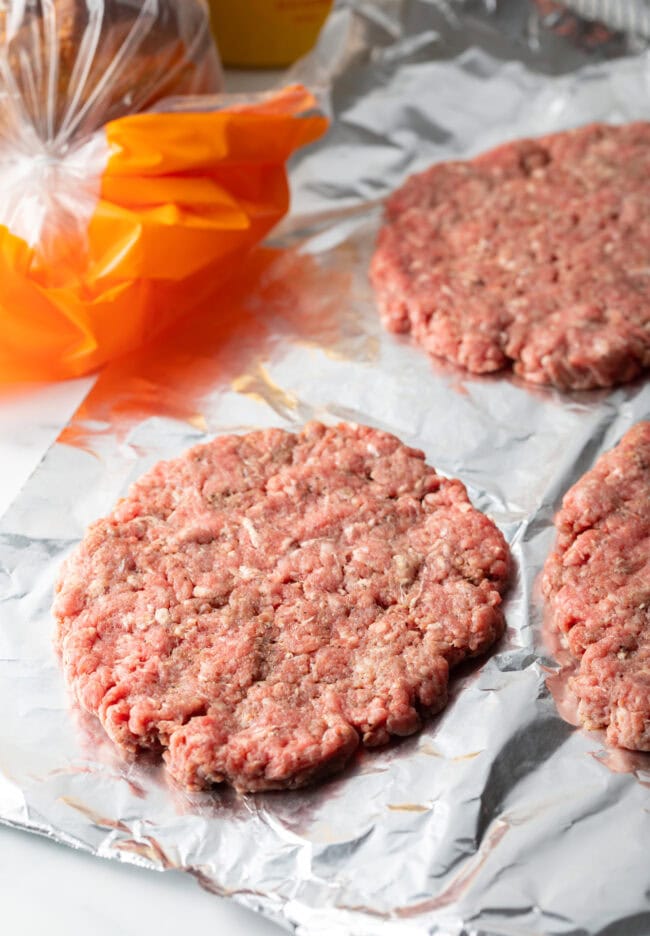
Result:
[266,33]
[630,16]
[596,22]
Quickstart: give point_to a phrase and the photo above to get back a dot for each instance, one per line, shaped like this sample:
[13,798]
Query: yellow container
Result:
[266,33]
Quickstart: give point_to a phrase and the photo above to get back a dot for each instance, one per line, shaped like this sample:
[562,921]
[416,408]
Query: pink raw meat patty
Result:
[534,256]
[597,585]
[260,605]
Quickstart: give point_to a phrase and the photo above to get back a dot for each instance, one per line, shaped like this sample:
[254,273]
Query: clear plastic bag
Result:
[115,219]
[67,67]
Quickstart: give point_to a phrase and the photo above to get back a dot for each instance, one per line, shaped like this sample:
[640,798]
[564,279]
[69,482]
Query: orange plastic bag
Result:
[183,196]
[112,226]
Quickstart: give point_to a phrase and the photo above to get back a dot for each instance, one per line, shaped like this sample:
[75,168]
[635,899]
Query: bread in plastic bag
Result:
[114,222]
[69,66]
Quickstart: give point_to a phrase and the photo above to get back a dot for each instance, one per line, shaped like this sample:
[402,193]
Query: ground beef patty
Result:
[534,256]
[597,584]
[263,603]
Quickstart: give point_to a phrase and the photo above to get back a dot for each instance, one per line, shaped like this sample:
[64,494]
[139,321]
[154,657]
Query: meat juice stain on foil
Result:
[171,377]
[280,296]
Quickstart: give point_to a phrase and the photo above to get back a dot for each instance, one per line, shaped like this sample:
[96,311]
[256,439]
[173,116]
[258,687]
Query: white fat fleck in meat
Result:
[200,591]
[253,535]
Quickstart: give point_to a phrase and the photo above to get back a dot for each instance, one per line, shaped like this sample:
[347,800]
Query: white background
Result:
[47,888]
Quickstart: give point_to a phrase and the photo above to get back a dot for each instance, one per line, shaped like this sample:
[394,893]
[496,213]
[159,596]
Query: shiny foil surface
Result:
[501,818]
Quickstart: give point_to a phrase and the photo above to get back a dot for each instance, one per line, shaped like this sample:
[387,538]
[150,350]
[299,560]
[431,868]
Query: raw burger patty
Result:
[534,256]
[259,606]
[597,584]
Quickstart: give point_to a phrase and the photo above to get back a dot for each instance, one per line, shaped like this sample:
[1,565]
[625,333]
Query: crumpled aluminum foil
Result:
[501,818]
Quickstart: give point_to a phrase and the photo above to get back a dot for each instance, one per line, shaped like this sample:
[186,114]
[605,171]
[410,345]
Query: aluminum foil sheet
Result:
[501,818]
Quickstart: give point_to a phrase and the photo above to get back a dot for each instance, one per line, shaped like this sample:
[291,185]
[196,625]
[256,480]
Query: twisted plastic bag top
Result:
[68,67]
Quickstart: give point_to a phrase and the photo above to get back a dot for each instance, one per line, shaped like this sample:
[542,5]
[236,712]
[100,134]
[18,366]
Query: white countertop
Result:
[48,888]
[53,890]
